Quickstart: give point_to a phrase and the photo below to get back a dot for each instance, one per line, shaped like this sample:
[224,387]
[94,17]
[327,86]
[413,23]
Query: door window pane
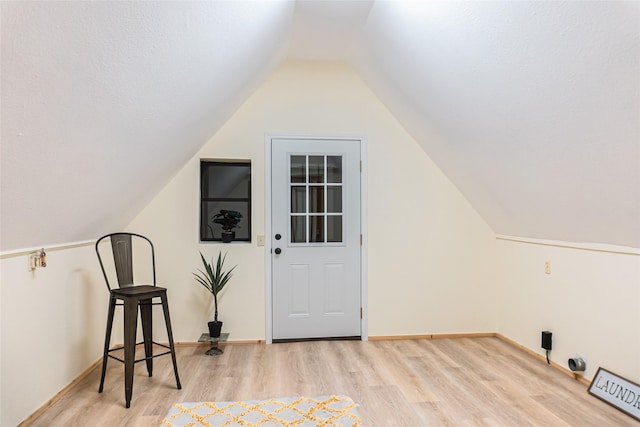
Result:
[334,229]
[334,199]
[298,199]
[316,199]
[316,169]
[298,169]
[298,229]
[316,229]
[334,169]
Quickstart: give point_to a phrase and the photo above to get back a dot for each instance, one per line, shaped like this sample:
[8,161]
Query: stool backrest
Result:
[122,251]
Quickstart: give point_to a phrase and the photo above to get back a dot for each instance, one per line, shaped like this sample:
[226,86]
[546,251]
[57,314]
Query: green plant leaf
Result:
[214,278]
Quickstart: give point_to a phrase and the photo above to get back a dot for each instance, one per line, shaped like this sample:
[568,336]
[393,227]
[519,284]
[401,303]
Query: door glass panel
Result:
[334,199]
[316,169]
[298,229]
[334,229]
[298,199]
[316,190]
[334,169]
[316,229]
[316,199]
[299,169]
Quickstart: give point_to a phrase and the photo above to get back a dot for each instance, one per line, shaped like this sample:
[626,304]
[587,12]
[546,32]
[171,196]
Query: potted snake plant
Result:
[214,279]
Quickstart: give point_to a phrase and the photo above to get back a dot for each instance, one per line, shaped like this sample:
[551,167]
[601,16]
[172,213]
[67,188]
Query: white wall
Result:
[590,301]
[430,254]
[52,324]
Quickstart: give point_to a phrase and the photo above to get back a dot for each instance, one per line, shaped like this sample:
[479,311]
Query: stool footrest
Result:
[144,358]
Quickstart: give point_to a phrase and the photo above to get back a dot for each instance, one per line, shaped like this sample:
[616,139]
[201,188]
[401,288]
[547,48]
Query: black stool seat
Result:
[134,298]
[137,290]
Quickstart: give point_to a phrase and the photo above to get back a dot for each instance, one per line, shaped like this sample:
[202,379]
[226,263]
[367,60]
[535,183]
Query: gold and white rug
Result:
[286,411]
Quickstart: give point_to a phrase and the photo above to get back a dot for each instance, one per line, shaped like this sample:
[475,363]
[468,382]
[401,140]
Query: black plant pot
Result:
[228,236]
[214,329]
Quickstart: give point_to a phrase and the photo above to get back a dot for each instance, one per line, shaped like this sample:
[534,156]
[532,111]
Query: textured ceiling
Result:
[531,108]
[327,30]
[103,102]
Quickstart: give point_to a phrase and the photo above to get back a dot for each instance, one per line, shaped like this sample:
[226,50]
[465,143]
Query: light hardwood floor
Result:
[439,382]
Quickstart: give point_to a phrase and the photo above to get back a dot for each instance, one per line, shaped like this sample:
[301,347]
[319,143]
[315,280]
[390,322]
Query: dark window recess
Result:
[225,186]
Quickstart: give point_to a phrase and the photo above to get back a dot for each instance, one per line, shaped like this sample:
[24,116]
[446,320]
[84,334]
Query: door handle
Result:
[278,236]
[278,251]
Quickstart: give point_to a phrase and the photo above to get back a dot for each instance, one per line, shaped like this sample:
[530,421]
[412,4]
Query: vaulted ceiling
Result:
[532,109]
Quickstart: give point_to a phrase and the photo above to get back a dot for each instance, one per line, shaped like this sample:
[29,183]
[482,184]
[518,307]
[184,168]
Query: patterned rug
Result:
[286,411]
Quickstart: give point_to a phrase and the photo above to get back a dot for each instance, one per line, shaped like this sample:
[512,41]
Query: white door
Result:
[315,241]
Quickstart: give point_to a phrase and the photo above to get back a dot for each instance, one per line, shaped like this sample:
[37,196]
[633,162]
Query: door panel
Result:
[316,262]
[334,290]
[299,294]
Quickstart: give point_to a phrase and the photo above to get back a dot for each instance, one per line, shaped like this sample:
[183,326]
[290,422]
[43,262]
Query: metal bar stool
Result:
[132,297]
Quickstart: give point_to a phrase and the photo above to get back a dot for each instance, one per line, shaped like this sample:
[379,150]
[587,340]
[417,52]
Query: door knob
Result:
[278,251]
[278,236]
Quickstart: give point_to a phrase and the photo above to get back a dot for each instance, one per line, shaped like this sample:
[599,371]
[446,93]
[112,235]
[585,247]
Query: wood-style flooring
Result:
[438,382]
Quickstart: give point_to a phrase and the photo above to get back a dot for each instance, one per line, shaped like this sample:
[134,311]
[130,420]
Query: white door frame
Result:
[363,224]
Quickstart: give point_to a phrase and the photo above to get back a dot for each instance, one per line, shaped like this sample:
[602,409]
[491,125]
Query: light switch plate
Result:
[260,239]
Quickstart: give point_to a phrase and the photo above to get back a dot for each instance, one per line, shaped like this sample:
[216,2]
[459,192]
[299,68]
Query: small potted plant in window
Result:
[229,220]
[214,279]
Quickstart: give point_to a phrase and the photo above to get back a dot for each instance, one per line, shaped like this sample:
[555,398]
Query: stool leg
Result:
[130,327]
[147,333]
[107,340]
[167,321]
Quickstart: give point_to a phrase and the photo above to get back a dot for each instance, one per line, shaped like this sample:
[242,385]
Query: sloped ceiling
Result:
[102,103]
[531,108]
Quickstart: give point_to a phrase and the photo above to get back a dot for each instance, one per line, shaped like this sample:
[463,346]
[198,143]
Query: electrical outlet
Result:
[547,267]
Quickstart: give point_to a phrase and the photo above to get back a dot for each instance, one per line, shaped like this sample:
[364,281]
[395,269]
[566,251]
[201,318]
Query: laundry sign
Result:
[617,391]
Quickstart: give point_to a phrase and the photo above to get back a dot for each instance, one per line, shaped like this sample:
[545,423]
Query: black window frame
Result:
[205,164]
